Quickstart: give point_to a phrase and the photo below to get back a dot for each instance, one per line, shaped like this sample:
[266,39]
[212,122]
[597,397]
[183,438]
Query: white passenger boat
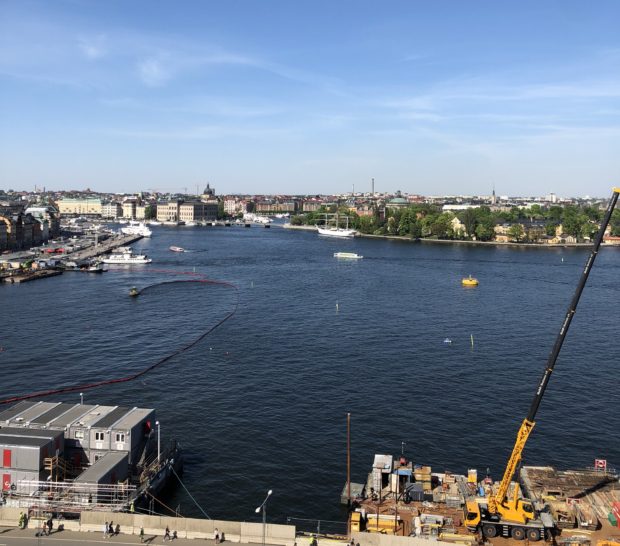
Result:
[126,257]
[154,223]
[177,249]
[348,255]
[139,229]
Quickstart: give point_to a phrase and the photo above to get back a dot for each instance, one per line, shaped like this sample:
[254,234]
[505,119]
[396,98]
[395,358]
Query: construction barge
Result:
[63,459]
[406,499]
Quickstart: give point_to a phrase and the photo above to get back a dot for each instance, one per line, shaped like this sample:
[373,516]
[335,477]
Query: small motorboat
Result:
[469,281]
[134,292]
[447,341]
[177,249]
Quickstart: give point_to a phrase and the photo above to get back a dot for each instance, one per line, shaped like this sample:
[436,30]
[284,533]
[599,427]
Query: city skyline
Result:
[302,98]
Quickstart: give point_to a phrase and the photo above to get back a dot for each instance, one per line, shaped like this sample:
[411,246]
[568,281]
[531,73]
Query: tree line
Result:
[429,221]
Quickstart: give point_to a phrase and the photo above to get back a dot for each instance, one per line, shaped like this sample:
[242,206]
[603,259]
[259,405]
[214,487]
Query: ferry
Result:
[348,255]
[126,257]
[139,229]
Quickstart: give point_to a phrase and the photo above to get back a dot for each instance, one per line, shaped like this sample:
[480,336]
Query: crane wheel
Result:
[533,535]
[518,533]
[489,531]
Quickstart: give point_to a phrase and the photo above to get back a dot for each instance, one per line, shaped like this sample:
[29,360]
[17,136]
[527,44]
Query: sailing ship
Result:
[336,230]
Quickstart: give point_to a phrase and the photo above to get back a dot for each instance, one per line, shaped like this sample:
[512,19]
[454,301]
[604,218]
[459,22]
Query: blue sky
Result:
[265,96]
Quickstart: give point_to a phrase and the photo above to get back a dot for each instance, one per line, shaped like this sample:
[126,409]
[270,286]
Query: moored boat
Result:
[139,229]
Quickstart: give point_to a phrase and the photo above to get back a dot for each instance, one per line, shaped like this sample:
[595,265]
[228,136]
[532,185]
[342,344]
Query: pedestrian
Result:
[174,535]
[141,534]
[105,530]
[111,529]
[216,536]
[50,526]
[21,520]
[167,533]
[117,529]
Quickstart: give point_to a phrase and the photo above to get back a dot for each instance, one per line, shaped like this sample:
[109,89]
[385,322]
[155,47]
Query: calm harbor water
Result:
[261,403]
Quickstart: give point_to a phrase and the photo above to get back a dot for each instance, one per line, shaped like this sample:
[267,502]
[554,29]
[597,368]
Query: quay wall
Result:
[191,528]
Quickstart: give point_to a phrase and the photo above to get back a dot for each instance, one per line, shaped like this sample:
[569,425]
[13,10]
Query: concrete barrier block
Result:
[68,524]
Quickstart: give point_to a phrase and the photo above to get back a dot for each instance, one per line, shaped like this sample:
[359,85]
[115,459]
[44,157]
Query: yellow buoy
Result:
[469,281]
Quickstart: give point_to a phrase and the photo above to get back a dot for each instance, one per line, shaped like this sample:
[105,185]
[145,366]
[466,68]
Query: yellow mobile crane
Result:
[515,517]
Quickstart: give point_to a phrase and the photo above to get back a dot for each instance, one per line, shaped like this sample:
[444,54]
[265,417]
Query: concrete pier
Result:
[103,247]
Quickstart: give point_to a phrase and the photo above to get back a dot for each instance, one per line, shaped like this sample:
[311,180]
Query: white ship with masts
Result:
[335,230]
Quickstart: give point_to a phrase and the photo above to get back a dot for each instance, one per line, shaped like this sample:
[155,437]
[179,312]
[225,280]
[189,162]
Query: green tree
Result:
[441,227]
[615,223]
[469,217]
[516,232]
[485,231]
[550,228]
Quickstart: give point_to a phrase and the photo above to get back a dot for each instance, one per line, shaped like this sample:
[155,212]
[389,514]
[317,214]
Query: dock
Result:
[27,276]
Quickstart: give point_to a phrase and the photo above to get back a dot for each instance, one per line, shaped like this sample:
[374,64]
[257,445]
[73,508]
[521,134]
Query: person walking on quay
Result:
[50,526]
[141,533]
[105,530]
[111,529]
[167,533]
[117,529]
[216,536]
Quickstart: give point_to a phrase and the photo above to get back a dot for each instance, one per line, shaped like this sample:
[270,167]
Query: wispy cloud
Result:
[200,132]
[93,47]
[152,72]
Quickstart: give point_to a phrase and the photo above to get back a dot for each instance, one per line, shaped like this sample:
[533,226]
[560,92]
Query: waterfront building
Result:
[112,210]
[20,229]
[49,219]
[85,206]
[130,205]
[234,206]
[168,211]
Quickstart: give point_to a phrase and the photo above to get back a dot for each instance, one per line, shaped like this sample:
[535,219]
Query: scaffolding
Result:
[70,497]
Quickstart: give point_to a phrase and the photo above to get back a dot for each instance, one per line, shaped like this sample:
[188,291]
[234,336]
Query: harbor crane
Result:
[515,517]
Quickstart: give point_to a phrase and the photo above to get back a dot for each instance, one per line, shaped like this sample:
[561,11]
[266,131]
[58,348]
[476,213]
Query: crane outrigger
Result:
[515,517]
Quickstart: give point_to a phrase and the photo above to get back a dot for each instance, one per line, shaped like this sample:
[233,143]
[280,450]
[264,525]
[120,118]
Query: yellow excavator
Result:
[499,515]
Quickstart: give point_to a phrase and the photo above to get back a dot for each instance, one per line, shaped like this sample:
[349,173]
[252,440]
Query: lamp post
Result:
[82,398]
[263,508]
[158,443]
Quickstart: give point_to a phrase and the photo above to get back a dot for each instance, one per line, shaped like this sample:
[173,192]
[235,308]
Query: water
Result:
[261,403]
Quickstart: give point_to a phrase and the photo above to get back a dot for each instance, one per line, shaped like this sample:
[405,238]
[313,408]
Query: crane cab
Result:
[472,515]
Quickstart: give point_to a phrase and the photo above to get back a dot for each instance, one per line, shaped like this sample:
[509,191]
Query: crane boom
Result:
[497,501]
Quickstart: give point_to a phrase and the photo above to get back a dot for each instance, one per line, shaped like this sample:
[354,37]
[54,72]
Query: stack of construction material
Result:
[614,515]
[422,474]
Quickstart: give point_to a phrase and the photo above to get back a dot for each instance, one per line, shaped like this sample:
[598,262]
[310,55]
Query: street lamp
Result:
[81,398]
[158,443]
[263,508]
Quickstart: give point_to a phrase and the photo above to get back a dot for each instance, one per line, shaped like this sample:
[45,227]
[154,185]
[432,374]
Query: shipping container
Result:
[25,453]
